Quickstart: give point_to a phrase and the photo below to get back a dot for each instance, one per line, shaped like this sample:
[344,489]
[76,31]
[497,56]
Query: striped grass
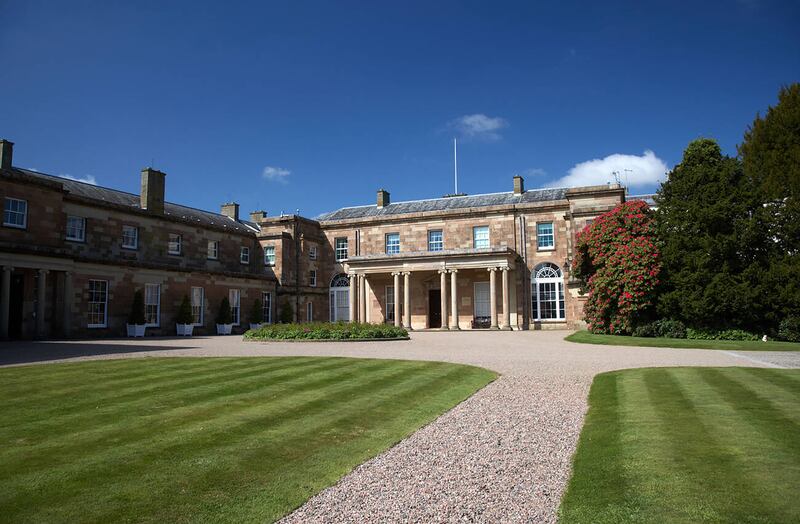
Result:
[688,445]
[204,439]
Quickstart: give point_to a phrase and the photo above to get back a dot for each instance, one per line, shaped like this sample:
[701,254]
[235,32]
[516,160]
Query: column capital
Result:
[443,271]
[505,268]
[44,271]
[406,273]
[452,271]
[8,268]
[491,269]
[396,273]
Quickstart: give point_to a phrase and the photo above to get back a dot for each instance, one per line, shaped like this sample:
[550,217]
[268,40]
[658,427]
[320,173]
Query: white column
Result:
[506,301]
[41,293]
[67,321]
[5,300]
[397,320]
[453,299]
[362,298]
[352,298]
[407,299]
[443,285]
[493,296]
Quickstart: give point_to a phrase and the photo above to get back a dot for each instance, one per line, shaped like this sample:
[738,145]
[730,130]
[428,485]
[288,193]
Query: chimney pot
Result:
[152,195]
[519,185]
[6,153]
[383,198]
[231,209]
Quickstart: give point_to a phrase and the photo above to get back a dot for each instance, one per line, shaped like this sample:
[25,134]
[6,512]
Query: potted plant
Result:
[224,318]
[256,314]
[184,321]
[136,320]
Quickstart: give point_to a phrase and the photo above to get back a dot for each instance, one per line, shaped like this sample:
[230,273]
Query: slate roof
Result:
[124,199]
[446,203]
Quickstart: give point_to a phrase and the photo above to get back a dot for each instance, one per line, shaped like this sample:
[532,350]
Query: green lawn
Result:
[214,439]
[585,337]
[688,445]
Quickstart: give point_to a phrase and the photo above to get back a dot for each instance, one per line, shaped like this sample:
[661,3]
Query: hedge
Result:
[326,331]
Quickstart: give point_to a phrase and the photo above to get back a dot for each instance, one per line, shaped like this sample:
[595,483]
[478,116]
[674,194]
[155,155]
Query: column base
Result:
[505,328]
[444,328]
[494,328]
[455,328]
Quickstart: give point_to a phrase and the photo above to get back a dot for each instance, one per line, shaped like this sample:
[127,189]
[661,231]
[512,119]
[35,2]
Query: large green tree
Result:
[770,157]
[703,221]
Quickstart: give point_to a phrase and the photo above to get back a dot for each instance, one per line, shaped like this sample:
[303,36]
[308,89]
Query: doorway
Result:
[17,298]
[434,308]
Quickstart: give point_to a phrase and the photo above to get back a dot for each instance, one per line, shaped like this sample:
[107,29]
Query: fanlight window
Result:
[339,297]
[547,292]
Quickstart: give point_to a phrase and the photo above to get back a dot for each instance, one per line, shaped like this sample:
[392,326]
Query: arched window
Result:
[340,298]
[547,292]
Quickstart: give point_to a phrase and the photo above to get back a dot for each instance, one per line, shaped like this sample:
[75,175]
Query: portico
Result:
[444,290]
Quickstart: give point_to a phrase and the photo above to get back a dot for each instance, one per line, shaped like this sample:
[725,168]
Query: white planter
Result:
[184,330]
[136,330]
[255,326]
[224,329]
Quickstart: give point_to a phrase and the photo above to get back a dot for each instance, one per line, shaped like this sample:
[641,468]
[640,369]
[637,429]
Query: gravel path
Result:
[502,455]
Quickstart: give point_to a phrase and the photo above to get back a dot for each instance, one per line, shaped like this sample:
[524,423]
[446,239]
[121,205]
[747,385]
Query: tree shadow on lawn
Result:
[31,352]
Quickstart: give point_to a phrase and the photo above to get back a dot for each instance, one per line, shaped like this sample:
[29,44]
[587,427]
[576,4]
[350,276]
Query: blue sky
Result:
[314,106]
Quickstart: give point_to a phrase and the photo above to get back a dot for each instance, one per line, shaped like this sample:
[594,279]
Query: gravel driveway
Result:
[502,455]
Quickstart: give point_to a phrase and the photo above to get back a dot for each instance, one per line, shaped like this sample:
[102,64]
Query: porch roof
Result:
[432,260]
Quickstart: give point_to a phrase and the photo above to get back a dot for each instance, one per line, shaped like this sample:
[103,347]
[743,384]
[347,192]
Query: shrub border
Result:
[324,339]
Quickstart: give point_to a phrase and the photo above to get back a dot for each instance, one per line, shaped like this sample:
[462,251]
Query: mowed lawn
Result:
[204,439]
[584,337]
[689,445]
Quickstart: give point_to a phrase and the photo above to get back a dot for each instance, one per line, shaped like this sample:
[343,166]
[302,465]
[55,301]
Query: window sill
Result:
[75,240]
[15,226]
[546,248]
[129,248]
[97,326]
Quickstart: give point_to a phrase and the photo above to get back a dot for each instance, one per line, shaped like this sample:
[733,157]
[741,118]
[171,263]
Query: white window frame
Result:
[74,234]
[340,246]
[244,255]
[558,291]
[104,302]
[312,253]
[436,245]
[551,236]
[235,298]
[339,292]
[309,312]
[148,303]
[393,248]
[8,212]
[174,246]
[135,237]
[269,256]
[388,293]
[266,307]
[312,278]
[198,310]
[476,240]
[212,250]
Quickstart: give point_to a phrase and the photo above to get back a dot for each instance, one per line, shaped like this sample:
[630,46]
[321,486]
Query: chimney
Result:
[6,153]
[519,185]
[383,198]
[257,216]
[231,209]
[152,196]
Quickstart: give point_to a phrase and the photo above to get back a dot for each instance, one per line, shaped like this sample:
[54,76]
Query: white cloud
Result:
[534,172]
[634,171]
[276,174]
[479,126]
[88,179]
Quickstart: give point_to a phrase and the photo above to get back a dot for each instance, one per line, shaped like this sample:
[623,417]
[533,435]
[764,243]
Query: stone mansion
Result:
[73,254]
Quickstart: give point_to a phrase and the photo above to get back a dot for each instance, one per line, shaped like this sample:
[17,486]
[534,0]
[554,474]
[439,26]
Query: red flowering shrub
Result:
[618,261]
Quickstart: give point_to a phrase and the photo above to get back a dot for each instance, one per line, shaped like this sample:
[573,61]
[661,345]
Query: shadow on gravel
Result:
[30,352]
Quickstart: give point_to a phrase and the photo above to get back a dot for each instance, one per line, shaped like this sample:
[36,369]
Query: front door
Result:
[17,297]
[434,308]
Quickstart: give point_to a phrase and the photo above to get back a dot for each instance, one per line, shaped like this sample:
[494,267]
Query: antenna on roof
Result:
[455,163]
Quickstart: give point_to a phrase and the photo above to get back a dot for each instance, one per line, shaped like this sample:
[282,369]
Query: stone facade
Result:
[486,261]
